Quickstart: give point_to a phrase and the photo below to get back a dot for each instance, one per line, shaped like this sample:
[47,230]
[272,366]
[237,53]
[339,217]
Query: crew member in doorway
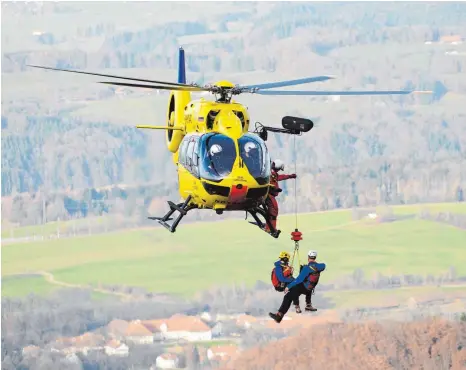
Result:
[271,202]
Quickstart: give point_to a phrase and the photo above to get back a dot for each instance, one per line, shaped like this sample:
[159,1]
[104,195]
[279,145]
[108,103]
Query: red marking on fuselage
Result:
[237,195]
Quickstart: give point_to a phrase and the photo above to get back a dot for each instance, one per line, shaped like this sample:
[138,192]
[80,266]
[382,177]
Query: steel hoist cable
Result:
[295,185]
[296,235]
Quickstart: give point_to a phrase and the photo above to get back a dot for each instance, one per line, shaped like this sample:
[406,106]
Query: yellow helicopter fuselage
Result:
[220,164]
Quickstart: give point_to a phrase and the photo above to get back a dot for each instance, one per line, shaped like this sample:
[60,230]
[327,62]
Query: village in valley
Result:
[216,338]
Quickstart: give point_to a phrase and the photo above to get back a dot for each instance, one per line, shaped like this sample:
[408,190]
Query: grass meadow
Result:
[201,255]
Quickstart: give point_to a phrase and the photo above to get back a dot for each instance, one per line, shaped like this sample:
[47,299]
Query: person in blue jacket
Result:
[304,284]
[283,272]
[282,275]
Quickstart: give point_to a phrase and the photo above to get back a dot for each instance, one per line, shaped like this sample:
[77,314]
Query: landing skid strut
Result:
[253,212]
[182,208]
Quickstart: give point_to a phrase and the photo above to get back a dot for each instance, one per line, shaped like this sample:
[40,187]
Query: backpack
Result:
[313,277]
[279,287]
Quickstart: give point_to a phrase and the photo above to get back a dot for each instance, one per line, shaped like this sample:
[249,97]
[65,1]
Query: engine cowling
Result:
[175,118]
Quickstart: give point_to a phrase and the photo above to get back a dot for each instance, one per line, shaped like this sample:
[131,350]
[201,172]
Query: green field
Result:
[202,255]
[48,228]
[21,286]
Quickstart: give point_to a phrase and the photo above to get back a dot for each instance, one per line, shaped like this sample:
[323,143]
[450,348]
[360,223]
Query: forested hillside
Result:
[422,344]
[66,138]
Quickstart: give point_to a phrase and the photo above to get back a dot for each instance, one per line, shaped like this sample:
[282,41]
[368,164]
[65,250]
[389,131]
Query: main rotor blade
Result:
[111,76]
[157,87]
[299,81]
[369,92]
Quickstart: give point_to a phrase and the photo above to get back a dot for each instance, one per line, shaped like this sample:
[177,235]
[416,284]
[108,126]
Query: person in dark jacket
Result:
[304,284]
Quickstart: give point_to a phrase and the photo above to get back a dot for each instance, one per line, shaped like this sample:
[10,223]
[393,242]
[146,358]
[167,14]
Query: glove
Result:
[293,176]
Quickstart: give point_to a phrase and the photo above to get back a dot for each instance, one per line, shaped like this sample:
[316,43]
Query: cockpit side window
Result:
[255,155]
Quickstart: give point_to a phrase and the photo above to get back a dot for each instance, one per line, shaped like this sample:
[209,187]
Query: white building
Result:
[137,333]
[189,328]
[85,343]
[167,361]
[154,327]
[116,348]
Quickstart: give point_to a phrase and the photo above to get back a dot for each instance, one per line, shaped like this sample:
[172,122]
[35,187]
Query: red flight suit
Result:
[271,202]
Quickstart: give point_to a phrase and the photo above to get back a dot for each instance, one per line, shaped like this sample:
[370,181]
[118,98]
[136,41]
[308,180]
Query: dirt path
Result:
[51,279]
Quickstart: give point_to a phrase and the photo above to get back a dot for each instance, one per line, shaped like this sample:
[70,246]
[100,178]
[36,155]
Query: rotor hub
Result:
[223,84]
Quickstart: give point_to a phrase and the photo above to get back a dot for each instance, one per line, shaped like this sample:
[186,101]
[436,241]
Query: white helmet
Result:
[278,165]
[312,254]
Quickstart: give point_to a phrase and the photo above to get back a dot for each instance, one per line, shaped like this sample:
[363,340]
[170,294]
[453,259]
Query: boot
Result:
[298,309]
[310,308]
[276,316]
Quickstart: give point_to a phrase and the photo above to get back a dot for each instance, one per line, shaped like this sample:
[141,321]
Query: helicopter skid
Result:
[271,230]
[182,208]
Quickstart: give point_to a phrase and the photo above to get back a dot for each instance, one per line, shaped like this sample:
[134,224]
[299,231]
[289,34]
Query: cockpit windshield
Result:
[218,155]
[255,155]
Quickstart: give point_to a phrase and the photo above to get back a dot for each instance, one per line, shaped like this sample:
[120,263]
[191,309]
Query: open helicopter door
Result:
[292,126]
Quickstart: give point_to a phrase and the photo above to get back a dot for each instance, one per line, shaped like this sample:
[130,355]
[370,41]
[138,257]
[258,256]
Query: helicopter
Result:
[221,165]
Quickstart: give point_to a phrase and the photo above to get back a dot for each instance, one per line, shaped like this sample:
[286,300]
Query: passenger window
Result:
[189,154]
[195,157]
[182,157]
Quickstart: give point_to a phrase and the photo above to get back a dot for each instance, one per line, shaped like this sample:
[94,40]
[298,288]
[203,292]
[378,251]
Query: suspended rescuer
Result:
[271,202]
[304,284]
[282,275]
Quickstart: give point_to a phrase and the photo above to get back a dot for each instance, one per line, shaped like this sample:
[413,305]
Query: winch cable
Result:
[296,235]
